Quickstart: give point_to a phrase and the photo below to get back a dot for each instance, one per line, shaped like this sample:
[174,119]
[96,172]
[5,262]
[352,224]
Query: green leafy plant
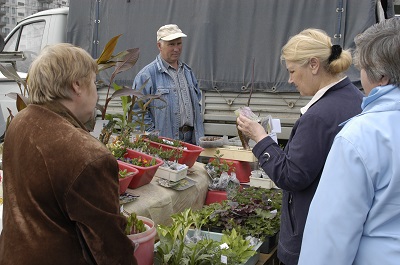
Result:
[117,148]
[180,245]
[217,165]
[141,144]
[121,62]
[253,211]
[138,143]
[124,173]
[140,161]
[134,225]
[161,140]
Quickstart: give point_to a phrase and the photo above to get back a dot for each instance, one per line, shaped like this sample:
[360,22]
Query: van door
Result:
[27,38]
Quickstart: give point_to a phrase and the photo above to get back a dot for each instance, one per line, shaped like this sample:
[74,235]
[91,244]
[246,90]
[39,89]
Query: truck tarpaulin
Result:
[231,44]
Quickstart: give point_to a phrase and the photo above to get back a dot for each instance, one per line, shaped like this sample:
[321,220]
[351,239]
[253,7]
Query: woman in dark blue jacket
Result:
[316,68]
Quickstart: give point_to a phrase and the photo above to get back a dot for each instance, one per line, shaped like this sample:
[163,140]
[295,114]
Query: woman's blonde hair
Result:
[315,43]
[55,69]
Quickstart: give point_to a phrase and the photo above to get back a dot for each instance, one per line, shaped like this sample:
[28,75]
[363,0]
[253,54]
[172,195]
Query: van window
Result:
[29,40]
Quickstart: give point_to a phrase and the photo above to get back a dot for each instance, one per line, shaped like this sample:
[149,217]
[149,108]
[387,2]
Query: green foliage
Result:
[117,148]
[239,250]
[121,62]
[140,161]
[134,225]
[170,142]
[174,247]
[253,211]
[217,165]
[124,173]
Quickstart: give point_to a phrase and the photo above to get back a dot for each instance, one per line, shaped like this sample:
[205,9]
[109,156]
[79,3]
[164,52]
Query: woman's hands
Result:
[250,128]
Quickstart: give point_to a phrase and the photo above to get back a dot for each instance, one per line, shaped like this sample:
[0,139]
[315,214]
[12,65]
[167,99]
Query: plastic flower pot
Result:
[144,242]
[189,155]
[214,196]
[124,182]
[145,174]
[242,169]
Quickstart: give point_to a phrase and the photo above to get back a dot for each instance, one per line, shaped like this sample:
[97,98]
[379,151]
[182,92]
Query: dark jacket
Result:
[297,169]
[61,194]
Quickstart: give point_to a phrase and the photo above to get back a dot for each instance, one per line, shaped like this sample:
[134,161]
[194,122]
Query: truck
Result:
[233,46]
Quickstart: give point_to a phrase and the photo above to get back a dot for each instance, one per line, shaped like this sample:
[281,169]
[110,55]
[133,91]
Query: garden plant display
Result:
[179,244]
[253,211]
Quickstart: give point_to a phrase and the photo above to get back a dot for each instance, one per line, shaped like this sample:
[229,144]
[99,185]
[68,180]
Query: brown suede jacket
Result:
[61,199]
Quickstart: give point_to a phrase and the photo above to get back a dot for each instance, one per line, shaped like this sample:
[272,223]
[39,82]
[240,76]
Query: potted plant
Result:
[223,181]
[253,211]
[184,243]
[146,165]
[171,169]
[142,232]
[185,153]
[125,175]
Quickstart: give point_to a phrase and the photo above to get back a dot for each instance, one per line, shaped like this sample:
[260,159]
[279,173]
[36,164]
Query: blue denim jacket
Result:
[165,116]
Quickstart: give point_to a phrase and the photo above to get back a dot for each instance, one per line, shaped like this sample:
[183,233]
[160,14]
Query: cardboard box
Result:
[171,175]
[231,152]
[261,182]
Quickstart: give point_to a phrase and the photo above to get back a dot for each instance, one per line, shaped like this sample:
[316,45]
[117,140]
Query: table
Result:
[159,203]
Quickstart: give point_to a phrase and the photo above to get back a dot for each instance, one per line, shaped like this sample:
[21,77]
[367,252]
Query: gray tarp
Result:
[226,40]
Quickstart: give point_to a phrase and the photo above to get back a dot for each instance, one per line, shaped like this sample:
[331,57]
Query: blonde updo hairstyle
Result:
[53,72]
[315,43]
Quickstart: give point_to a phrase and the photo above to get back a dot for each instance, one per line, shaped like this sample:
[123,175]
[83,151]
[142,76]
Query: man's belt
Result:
[186,128]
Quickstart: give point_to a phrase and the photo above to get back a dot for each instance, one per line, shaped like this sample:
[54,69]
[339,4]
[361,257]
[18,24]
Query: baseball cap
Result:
[169,32]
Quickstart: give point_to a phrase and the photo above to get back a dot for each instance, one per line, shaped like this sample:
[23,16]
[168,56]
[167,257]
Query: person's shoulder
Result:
[359,125]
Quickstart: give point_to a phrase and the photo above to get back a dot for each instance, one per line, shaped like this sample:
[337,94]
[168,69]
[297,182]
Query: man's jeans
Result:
[186,136]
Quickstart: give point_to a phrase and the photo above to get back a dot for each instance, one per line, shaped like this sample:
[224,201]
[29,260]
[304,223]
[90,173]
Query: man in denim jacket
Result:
[179,117]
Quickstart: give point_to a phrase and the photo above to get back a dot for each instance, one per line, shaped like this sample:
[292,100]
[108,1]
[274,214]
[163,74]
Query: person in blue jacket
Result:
[178,116]
[354,217]
[316,68]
